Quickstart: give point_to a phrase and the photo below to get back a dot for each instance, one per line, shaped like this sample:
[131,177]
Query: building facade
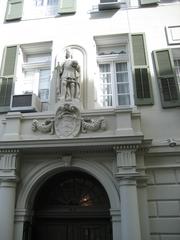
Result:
[89,120]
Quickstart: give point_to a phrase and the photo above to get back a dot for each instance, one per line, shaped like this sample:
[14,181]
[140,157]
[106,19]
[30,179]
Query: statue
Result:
[68,77]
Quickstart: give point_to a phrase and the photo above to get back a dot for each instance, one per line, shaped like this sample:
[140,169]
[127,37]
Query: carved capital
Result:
[126,160]
[9,164]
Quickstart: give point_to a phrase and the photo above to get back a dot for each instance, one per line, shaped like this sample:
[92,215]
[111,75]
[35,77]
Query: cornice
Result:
[80,144]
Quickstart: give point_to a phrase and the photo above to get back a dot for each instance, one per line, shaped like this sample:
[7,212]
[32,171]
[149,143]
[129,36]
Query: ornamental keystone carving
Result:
[67,121]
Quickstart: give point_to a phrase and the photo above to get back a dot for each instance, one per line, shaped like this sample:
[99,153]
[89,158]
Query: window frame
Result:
[114,82]
[41,49]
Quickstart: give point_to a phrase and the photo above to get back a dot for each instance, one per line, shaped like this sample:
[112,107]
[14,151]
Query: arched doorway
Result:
[71,206]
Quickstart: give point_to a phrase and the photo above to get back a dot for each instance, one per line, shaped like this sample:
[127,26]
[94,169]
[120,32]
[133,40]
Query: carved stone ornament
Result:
[67,121]
[93,124]
[45,127]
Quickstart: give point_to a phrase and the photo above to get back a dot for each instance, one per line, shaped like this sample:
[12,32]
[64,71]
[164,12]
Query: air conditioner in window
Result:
[25,103]
[109,4]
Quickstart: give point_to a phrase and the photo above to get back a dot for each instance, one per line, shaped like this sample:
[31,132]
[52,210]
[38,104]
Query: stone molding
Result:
[116,215]
[22,215]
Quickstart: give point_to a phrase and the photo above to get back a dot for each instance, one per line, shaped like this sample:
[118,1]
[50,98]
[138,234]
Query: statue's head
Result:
[68,53]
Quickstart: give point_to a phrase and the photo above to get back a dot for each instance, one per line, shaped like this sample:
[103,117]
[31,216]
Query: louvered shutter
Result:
[7,76]
[14,10]
[67,6]
[168,86]
[141,75]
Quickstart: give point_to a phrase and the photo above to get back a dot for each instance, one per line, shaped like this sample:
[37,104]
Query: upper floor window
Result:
[114,81]
[34,71]
[176,59]
[168,72]
[114,87]
[137,3]
[121,81]
[40,8]
[30,9]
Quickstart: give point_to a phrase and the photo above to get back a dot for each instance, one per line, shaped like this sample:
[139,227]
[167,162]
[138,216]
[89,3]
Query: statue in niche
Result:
[68,78]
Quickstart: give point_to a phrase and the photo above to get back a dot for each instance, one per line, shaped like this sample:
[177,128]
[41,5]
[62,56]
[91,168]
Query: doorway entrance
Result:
[71,206]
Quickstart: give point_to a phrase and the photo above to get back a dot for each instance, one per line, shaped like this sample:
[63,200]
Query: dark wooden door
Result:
[71,206]
[72,230]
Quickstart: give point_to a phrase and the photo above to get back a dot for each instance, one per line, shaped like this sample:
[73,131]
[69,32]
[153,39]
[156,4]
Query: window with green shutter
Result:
[7,76]
[166,77]
[14,10]
[141,75]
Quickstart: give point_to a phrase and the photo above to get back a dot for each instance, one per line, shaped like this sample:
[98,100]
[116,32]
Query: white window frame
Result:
[23,66]
[115,41]
[114,83]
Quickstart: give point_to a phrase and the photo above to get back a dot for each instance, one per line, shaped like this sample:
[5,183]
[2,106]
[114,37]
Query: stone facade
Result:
[132,150]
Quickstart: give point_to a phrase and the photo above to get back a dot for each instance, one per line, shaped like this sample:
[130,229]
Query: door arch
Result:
[71,205]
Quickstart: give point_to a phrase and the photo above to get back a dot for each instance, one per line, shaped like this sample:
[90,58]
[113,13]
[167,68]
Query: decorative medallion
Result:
[67,121]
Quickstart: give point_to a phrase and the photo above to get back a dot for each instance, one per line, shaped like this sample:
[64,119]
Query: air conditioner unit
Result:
[109,4]
[25,103]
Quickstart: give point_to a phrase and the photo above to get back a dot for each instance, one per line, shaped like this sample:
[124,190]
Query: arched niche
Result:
[79,54]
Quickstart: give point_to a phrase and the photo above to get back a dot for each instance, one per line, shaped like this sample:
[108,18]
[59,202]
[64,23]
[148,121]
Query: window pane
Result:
[44,77]
[44,94]
[28,81]
[121,67]
[123,99]
[107,101]
[104,67]
[122,77]
[105,85]
[106,89]
[123,88]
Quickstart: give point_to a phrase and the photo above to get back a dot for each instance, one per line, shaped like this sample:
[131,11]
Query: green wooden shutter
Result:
[168,86]
[141,75]
[14,10]
[67,6]
[7,76]
[149,2]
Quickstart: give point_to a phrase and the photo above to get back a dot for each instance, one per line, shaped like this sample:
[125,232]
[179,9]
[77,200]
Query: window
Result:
[40,8]
[34,70]
[114,86]
[31,9]
[114,81]
[146,3]
[123,82]
[7,77]
[176,58]
[167,68]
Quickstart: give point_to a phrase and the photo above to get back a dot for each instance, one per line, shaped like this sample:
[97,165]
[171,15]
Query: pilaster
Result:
[116,219]
[126,175]
[8,178]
